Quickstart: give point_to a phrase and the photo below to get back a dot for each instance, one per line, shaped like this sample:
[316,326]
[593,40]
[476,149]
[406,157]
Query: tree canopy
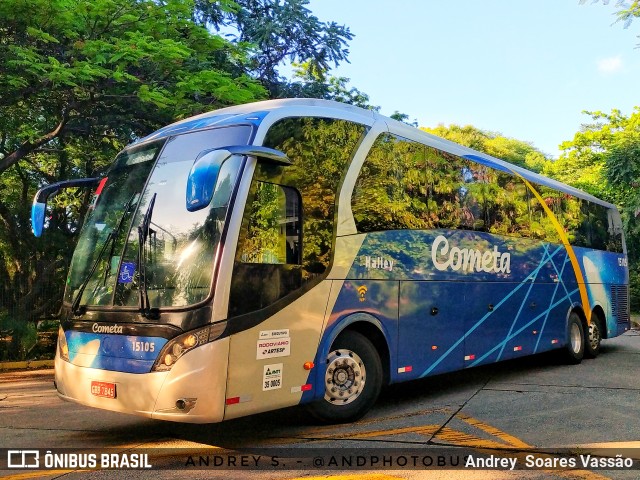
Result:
[514,151]
[627,11]
[81,79]
[275,32]
[109,67]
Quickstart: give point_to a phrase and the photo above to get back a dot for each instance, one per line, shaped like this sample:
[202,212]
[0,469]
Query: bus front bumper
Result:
[193,391]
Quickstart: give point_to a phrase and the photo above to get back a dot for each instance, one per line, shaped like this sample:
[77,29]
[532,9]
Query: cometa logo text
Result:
[96,328]
[468,260]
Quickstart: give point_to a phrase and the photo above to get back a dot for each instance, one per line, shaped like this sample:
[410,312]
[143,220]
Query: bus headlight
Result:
[63,348]
[178,346]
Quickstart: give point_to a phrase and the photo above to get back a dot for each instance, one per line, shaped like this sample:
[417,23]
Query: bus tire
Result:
[573,351]
[352,380]
[592,346]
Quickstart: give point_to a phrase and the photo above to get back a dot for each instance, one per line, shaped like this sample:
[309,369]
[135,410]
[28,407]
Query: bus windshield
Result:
[181,245]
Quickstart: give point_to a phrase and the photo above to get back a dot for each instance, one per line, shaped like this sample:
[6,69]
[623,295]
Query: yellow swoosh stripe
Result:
[565,241]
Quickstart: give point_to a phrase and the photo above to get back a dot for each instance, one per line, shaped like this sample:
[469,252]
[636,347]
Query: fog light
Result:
[185,405]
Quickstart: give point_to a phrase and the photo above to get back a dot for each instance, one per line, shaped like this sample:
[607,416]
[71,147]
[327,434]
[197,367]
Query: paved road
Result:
[505,409]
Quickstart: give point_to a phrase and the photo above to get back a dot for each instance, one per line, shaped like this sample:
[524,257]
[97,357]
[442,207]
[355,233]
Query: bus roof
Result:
[258,111]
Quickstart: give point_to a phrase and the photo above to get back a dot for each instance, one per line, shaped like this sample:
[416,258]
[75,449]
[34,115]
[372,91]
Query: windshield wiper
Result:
[143,234]
[127,206]
[76,308]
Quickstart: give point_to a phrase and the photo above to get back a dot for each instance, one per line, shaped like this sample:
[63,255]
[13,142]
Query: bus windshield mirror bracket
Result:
[40,200]
[204,172]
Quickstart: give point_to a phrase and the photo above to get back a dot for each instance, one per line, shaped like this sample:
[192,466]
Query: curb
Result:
[7,366]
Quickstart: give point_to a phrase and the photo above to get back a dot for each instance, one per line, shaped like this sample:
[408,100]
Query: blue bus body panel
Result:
[120,353]
[450,299]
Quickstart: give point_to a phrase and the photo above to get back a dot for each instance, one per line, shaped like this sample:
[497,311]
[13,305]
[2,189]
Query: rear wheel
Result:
[592,347]
[575,342]
[352,380]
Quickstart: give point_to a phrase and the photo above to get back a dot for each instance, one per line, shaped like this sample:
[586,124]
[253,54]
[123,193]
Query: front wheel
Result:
[592,347]
[574,349]
[352,380]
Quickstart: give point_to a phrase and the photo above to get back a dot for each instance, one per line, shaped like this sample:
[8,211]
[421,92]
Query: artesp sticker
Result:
[280,347]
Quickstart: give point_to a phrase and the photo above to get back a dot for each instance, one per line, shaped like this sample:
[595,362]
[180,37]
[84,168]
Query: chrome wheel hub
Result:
[344,378]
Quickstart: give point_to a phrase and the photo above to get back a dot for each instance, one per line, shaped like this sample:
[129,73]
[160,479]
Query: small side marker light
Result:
[309,365]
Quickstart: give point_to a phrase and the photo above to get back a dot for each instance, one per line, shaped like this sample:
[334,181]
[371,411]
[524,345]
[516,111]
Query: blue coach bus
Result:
[308,252]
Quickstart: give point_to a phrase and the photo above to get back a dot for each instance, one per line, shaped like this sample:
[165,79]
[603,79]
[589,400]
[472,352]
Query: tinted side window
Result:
[287,236]
[606,231]
[586,224]
[471,196]
[506,204]
[268,255]
[615,232]
[272,232]
[453,191]
[391,190]
[542,226]
[406,185]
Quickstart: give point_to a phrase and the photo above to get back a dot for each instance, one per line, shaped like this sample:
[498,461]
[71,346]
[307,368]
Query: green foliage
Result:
[634,288]
[17,338]
[511,150]
[79,80]
[627,13]
[604,159]
[309,84]
[108,64]
[278,31]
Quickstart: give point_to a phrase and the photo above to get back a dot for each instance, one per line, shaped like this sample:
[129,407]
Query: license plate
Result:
[103,389]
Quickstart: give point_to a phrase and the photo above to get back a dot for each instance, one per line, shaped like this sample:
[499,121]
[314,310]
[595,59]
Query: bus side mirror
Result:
[205,169]
[39,206]
[202,178]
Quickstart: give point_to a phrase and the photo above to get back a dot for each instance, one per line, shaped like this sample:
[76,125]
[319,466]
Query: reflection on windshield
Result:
[108,223]
[181,245]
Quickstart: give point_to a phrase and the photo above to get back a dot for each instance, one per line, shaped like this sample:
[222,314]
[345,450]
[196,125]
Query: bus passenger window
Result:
[391,190]
[286,242]
[273,231]
[268,258]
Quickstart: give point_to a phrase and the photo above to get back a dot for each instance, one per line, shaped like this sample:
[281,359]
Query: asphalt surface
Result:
[532,406]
